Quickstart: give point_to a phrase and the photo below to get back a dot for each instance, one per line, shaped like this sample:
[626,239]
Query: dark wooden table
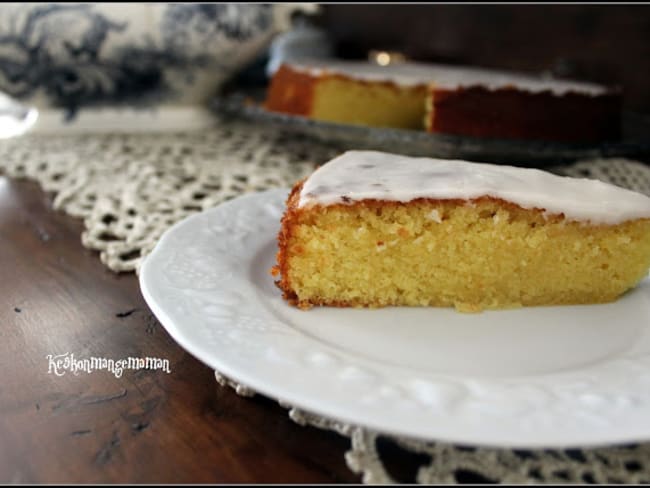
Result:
[145,427]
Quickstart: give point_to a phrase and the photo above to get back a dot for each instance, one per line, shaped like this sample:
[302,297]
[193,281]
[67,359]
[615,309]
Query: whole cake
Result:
[447,99]
[371,229]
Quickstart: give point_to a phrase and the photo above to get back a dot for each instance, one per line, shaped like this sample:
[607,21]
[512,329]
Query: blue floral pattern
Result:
[60,49]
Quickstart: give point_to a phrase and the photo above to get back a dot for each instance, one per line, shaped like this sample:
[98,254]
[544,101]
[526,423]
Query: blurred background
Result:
[73,56]
[81,54]
[603,43]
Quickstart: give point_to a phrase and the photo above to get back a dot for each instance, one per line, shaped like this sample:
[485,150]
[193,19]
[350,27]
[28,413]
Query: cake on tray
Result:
[447,99]
[371,229]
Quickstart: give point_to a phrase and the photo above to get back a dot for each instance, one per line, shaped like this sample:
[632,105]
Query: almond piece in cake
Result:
[371,229]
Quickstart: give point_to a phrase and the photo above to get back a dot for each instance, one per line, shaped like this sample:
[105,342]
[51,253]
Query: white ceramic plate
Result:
[533,377]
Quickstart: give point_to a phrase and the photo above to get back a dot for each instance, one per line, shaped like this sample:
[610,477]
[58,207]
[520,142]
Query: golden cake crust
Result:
[288,222]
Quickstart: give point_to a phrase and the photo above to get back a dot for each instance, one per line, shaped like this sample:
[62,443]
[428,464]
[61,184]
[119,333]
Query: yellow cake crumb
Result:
[473,255]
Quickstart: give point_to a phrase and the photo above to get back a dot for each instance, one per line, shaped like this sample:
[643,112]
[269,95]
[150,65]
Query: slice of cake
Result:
[446,99]
[372,229]
[351,93]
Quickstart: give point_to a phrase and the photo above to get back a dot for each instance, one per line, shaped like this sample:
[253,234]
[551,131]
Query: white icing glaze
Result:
[445,76]
[361,175]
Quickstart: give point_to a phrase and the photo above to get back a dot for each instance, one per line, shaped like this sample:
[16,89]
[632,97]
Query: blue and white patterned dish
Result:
[73,56]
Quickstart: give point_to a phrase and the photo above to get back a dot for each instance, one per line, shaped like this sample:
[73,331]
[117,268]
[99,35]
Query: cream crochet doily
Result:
[129,188]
